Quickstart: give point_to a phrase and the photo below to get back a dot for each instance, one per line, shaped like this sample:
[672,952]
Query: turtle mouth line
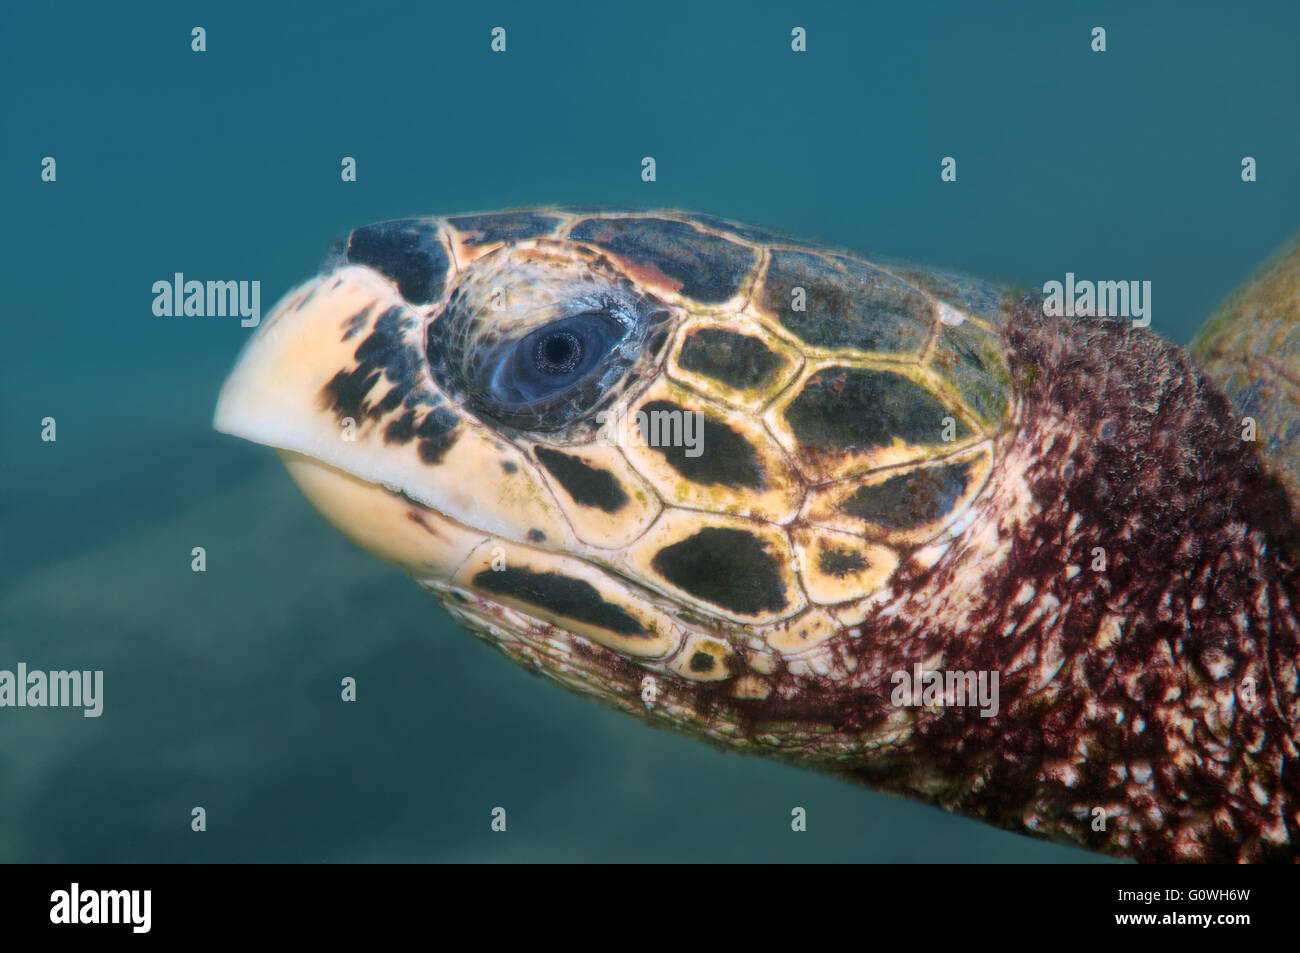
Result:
[423,541]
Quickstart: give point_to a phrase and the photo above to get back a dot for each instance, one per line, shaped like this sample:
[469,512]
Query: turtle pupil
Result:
[558,353]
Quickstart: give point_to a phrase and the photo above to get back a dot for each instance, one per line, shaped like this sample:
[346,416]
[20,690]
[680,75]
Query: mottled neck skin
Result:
[1160,691]
[1131,577]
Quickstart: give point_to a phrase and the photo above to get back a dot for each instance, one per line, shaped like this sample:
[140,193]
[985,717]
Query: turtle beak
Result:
[275,396]
[336,380]
[272,395]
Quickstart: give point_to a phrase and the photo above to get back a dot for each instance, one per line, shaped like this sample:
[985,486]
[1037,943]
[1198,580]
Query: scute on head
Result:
[831,303]
[732,360]
[672,256]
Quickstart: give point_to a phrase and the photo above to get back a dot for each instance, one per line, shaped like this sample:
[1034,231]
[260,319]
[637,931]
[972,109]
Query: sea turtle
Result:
[884,520]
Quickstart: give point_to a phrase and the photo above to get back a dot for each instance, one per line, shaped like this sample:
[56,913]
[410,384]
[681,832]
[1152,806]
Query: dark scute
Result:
[839,562]
[737,360]
[726,457]
[502,227]
[401,430]
[562,595]
[353,325]
[588,485]
[406,251]
[394,397]
[345,393]
[709,268]
[384,355]
[726,567]
[848,303]
[841,408]
[910,499]
[381,354]
[701,662]
[437,433]
[968,359]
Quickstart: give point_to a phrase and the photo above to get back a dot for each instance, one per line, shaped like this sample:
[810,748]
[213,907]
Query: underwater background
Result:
[221,688]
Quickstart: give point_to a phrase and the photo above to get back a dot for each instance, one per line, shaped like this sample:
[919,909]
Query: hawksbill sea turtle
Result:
[796,501]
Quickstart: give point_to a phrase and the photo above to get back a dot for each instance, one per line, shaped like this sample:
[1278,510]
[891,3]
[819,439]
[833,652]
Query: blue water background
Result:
[222,688]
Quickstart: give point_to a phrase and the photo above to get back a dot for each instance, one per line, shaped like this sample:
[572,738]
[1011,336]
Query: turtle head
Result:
[620,448]
[798,502]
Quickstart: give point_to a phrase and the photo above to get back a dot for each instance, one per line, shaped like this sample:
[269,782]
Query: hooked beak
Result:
[333,380]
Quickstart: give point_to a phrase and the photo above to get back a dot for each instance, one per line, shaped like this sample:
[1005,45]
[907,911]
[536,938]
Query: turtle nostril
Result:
[558,353]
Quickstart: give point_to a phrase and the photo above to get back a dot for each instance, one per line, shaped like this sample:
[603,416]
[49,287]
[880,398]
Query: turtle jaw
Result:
[420,541]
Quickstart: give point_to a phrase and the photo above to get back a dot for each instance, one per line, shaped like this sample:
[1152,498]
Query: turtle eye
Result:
[539,339]
[558,352]
[554,358]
